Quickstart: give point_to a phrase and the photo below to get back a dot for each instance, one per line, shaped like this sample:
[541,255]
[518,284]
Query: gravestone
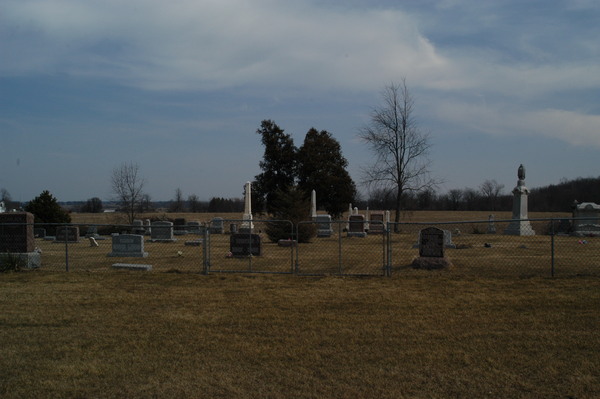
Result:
[92,232]
[520,226]
[447,239]
[162,231]
[247,224]
[323,225]
[376,224]
[147,226]
[233,228]
[2,207]
[17,238]
[356,226]
[217,226]
[179,226]
[195,227]
[491,225]
[128,245]
[243,244]
[586,219]
[67,234]
[138,227]
[431,243]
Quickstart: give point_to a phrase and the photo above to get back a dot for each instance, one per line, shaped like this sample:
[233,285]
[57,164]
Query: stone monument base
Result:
[519,228]
[28,260]
[431,263]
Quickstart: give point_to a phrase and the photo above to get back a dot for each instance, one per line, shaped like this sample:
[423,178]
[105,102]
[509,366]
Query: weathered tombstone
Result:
[491,225]
[586,219]
[520,226]
[356,226]
[147,226]
[376,224]
[431,243]
[67,233]
[216,226]
[162,231]
[195,227]
[179,226]
[138,227]
[243,244]
[323,225]
[431,250]
[92,232]
[128,245]
[17,238]
[233,228]
[447,239]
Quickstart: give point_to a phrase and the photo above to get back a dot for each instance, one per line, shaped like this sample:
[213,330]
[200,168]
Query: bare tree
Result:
[491,190]
[127,186]
[400,147]
[178,204]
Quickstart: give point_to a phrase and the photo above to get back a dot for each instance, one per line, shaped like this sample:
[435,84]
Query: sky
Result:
[180,88]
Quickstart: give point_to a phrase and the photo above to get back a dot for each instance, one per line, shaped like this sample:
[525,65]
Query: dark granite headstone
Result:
[16,232]
[244,245]
[67,233]
[431,244]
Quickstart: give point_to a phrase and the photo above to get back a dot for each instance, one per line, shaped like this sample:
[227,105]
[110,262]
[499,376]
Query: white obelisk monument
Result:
[520,226]
[247,225]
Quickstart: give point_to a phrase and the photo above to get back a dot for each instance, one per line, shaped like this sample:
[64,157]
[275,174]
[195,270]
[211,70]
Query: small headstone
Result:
[147,226]
[287,243]
[131,266]
[216,226]
[128,245]
[491,225]
[233,228]
[356,226]
[162,231]
[323,225]
[586,219]
[138,227]
[193,243]
[431,243]
[376,225]
[179,226]
[242,244]
[195,227]
[67,233]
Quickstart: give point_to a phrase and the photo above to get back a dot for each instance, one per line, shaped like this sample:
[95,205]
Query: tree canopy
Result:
[46,209]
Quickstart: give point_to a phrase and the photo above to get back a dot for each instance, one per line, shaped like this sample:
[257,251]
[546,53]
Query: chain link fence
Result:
[472,248]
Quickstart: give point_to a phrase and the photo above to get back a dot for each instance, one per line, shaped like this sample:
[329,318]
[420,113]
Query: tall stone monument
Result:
[247,225]
[519,226]
[313,204]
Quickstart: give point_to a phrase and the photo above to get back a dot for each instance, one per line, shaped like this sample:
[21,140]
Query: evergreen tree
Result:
[322,167]
[46,209]
[278,166]
[291,204]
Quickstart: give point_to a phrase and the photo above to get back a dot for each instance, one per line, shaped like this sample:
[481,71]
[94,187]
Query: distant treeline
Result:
[491,197]
[552,198]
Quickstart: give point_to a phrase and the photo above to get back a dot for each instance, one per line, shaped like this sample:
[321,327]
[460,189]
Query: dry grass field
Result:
[493,326]
[185,335]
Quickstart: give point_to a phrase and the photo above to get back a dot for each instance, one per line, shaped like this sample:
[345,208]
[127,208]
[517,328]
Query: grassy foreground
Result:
[140,335]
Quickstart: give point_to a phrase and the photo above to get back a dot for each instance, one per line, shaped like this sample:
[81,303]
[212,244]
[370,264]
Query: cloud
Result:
[211,45]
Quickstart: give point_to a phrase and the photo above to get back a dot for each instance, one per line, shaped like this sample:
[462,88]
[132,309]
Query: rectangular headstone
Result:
[244,244]
[16,232]
[179,226]
[67,233]
[138,227]
[128,245]
[162,231]
[431,243]
[376,224]
[131,266]
[323,225]
[356,226]
[217,226]
[195,227]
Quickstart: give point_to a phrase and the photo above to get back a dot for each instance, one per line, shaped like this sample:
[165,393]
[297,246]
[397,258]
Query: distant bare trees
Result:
[491,190]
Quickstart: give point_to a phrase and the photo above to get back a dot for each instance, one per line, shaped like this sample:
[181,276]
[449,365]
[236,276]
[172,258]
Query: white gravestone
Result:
[128,245]
[519,226]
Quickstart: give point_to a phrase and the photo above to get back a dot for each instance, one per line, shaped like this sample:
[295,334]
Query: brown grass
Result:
[139,335]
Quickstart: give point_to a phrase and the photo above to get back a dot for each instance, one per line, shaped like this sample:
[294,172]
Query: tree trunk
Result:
[398,208]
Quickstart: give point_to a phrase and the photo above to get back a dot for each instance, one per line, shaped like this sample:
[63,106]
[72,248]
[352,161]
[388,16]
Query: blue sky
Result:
[180,88]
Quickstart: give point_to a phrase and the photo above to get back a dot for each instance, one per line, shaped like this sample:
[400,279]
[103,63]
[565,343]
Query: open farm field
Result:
[139,335]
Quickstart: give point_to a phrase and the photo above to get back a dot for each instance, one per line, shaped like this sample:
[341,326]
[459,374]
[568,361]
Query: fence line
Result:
[474,248]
